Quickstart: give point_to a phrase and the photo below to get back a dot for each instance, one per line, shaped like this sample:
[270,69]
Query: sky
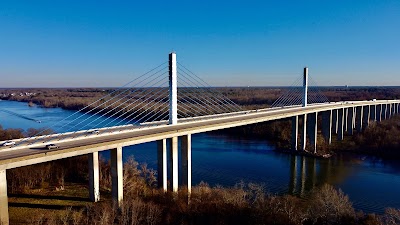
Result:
[227,43]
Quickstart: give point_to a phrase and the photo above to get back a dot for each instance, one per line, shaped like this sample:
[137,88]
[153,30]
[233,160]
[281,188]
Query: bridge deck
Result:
[28,155]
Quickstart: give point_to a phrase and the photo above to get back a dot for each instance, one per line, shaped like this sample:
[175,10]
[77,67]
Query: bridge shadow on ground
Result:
[45,206]
[54,197]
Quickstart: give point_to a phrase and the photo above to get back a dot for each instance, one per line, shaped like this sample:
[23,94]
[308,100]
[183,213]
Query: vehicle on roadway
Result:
[8,143]
[95,132]
[52,146]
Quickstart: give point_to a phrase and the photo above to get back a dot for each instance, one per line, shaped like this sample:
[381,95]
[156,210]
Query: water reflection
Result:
[306,173]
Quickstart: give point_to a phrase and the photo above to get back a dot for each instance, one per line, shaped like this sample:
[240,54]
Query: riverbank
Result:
[246,97]
[381,139]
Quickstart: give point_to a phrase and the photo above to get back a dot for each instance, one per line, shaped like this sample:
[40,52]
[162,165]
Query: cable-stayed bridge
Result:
[157,106]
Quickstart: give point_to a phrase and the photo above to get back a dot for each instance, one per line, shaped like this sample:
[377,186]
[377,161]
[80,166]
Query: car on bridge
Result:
[51,146]
[8,143]
[94,131]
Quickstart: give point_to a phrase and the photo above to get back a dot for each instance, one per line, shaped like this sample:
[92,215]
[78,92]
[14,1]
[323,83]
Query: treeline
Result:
[380,139]
[248,97]
[7,134]
[258,97]
[12,133]
[73,99]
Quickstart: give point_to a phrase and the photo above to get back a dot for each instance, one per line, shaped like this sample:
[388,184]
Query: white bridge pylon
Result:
[303,91]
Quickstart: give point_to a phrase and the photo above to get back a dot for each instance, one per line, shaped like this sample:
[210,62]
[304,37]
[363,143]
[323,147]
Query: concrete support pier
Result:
[372,112]
[312,125]
[384,111]
[295,131]
[304,133]
[94,185]
[379,113]
[359,118]
[117,175]
[173,158]
[335,121]
[366,115]
[4,220]
[162,164]
[340,123]
[186,153]
[346,117]
[350,119]
[327,126]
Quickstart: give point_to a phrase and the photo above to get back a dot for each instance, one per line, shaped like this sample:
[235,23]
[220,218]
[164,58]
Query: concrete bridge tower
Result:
[305,86]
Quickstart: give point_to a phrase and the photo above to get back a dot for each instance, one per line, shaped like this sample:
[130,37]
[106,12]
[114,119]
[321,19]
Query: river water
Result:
[371,183]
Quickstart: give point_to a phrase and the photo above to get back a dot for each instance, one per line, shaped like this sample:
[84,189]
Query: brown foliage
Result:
[329,206]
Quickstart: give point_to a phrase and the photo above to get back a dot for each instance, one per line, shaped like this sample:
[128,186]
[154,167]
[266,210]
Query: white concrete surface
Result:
[94,183]
[186,163]
[117,175]
[162,164]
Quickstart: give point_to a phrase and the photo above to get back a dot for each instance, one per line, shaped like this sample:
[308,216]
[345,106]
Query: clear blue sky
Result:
[239,43]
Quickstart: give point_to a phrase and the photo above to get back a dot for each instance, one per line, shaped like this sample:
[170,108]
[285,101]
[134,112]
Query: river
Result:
[371,183]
